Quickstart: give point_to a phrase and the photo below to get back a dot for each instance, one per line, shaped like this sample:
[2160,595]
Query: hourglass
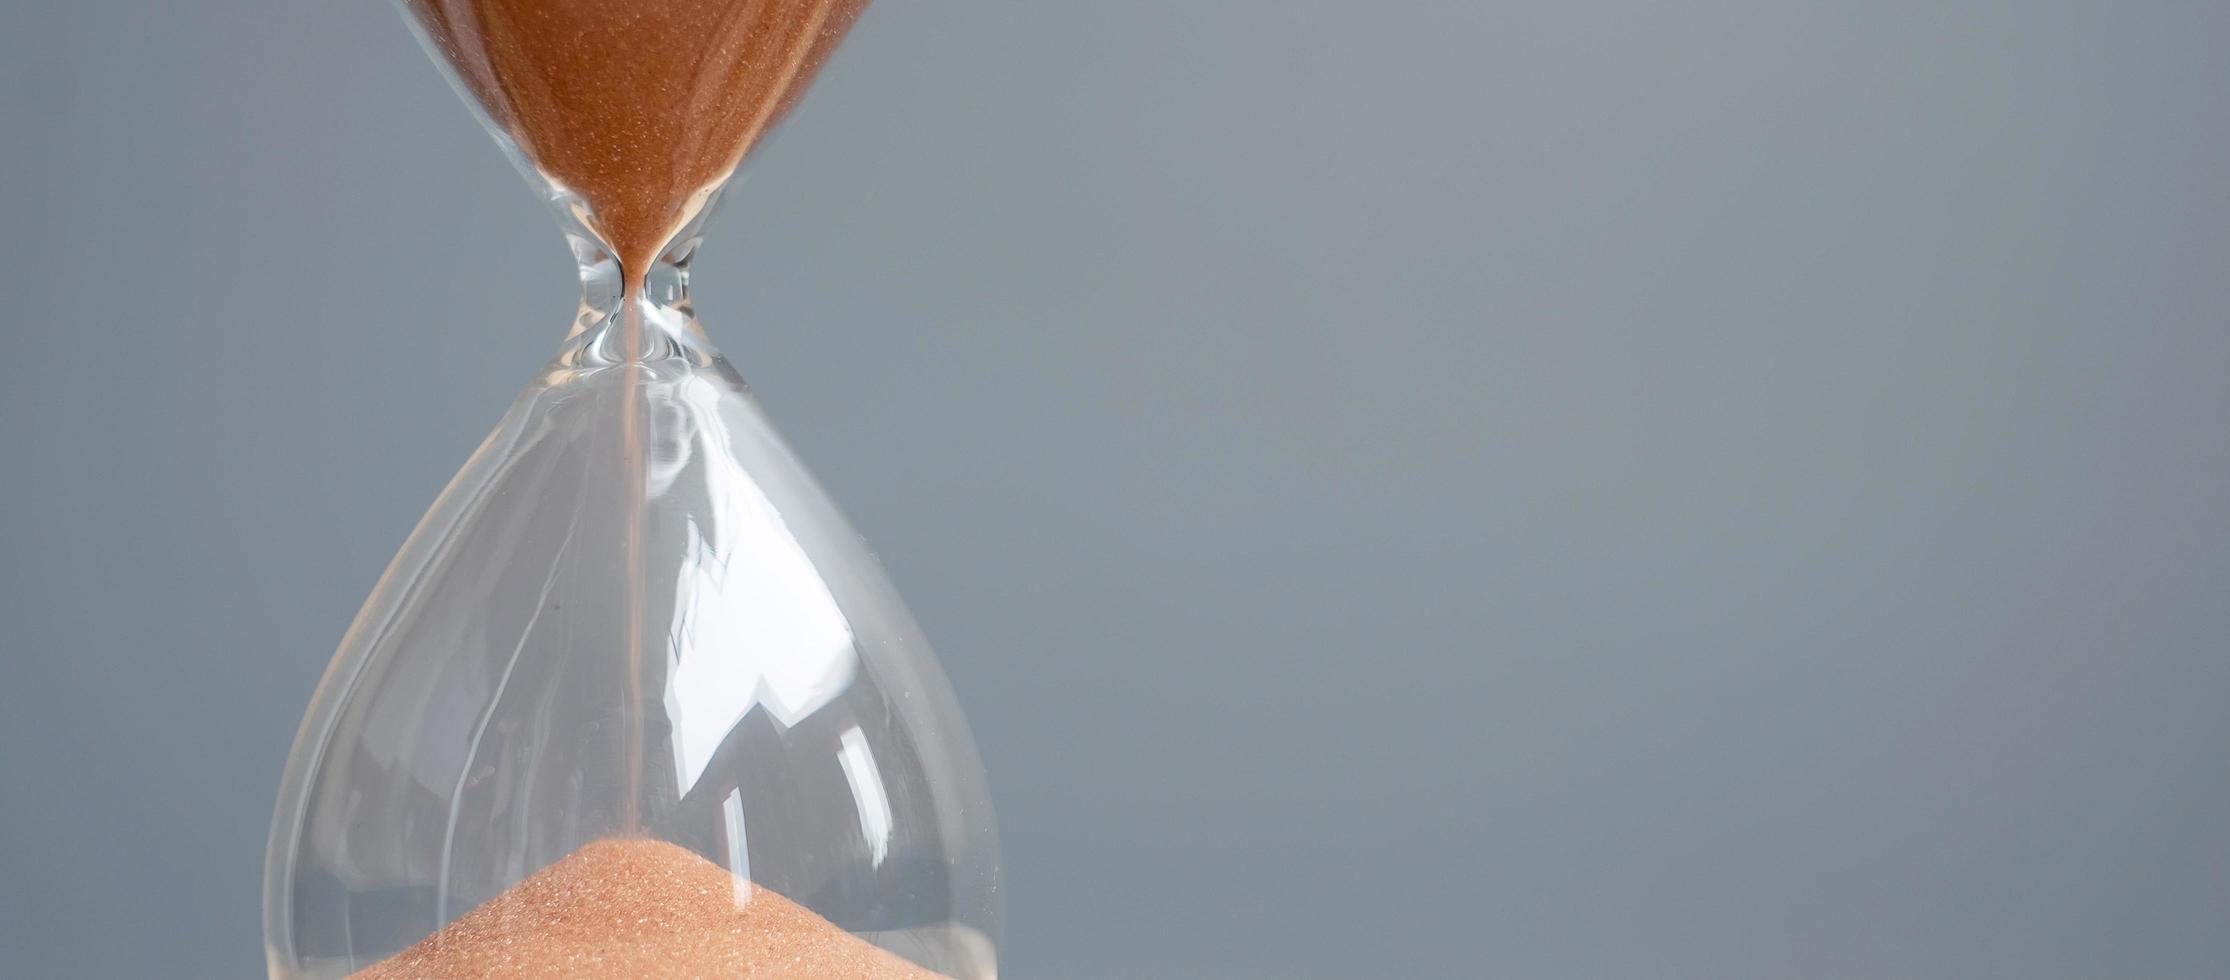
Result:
[633,700]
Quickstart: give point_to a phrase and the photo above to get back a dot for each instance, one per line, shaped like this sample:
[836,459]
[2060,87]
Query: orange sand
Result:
[636,106]
[642,910]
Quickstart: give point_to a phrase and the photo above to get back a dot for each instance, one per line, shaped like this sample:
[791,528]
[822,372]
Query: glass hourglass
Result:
[633,699]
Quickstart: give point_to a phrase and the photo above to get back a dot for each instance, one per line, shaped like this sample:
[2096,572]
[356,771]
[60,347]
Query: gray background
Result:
[1403,489]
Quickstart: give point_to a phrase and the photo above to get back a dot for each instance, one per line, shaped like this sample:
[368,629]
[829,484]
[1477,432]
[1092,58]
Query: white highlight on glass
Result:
[753,623]
[868,795]
[739,846]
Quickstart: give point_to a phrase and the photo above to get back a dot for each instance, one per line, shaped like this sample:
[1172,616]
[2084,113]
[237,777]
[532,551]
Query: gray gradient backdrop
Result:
[1725,489]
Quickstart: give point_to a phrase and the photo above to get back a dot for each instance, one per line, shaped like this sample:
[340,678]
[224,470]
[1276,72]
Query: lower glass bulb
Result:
[633,697]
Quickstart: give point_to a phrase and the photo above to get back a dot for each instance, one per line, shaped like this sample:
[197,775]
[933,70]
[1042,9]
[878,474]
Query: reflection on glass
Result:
[753,626]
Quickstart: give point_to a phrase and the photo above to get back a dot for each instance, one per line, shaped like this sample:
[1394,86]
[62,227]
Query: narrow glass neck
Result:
[627,318]
[604,281]
[628,315]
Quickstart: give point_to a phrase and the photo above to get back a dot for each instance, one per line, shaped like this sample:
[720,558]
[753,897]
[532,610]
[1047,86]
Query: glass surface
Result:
[633,615]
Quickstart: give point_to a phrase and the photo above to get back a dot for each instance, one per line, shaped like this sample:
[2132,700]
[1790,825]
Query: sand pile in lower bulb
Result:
[641,909]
